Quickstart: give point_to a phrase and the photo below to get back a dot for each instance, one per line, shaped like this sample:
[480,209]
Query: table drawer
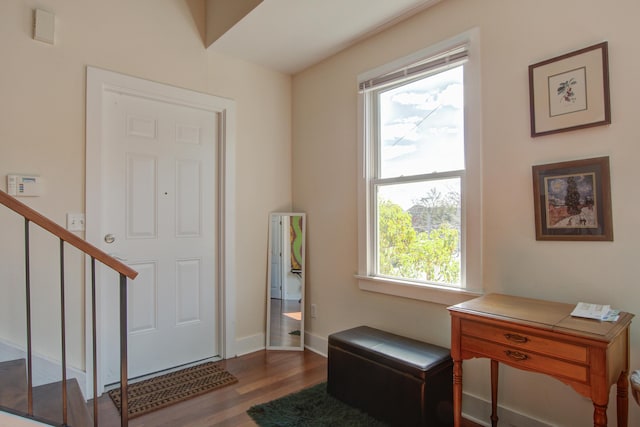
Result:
[528,360]
[514,338]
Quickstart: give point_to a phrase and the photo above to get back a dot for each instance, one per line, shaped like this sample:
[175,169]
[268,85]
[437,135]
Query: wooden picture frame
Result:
[573,200]
[570,91]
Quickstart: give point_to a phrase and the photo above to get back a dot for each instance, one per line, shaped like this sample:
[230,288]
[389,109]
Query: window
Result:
[419,195]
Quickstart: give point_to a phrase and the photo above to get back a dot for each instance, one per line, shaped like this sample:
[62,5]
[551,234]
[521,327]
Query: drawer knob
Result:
[516,338]
[516,355]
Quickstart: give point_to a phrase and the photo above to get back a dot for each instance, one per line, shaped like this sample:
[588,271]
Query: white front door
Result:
[160,188]
[160,191]
[160,181]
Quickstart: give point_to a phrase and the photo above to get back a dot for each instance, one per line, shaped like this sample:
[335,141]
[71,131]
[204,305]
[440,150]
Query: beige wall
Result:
[42,93]
[42,132]
[514,34]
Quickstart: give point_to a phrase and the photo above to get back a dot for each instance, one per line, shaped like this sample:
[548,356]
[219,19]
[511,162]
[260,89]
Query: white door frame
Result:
[99,81]
[277,268]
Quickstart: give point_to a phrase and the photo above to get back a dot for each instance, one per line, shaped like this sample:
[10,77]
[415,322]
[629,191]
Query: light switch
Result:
[75,221]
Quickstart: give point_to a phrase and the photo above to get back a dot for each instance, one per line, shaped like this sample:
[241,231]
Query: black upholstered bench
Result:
[395,379]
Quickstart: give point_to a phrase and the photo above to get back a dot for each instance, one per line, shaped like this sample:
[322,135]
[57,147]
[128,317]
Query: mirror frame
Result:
[302,279]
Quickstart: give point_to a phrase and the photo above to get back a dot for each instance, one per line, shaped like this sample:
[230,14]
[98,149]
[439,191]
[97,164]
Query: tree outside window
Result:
[418,180]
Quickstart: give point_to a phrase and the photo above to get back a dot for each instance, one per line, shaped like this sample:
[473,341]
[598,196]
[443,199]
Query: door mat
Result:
[164,390]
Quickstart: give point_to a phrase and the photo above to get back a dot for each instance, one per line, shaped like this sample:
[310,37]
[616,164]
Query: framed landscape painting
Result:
[570,91]
[573,200]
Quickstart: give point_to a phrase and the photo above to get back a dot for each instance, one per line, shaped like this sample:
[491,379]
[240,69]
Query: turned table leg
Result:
[599,415]
[622,399]
[494,393]
[457,393]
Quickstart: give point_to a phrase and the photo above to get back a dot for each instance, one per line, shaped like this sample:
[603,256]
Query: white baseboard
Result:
[45,370]
[316,343]
[478,410]
[256,342]
[250,344]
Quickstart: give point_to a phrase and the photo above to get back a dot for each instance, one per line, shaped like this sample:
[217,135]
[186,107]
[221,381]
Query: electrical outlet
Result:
[314,311]
[75,221]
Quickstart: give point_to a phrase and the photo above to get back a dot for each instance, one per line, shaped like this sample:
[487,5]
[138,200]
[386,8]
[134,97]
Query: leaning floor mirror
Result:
[285,281]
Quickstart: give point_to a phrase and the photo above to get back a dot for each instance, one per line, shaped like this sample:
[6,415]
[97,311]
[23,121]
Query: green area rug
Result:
[311,407]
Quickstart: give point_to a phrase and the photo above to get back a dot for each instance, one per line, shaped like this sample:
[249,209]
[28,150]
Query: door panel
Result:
[141,193]
[143,299]
[188,291]
[188,192]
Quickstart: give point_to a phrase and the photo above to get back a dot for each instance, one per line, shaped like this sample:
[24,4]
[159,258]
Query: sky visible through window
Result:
[422,132]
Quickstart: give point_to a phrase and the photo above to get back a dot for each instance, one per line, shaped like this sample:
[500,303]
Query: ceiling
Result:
[291,35]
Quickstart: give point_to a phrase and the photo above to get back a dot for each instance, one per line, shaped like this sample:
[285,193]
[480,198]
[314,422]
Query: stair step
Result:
[13,385]
[47,403]
[47,398]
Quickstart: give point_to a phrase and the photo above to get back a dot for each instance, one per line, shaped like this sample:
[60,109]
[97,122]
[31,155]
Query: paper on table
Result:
[595,311]
[612,316]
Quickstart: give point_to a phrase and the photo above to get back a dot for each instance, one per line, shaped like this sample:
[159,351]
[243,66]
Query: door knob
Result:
[109,238]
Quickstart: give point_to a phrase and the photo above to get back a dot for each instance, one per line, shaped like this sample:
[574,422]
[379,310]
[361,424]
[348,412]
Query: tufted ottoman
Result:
[401,381]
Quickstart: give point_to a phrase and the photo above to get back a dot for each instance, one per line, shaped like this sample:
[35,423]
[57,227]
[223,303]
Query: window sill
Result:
[431,293]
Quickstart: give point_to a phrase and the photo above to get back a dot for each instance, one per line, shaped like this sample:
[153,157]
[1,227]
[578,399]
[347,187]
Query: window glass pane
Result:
[418,231]
[422,126]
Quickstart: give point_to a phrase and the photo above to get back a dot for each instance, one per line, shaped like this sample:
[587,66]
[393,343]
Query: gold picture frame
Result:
[570,91]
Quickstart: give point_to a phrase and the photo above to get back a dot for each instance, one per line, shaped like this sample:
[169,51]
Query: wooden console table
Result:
[541,336]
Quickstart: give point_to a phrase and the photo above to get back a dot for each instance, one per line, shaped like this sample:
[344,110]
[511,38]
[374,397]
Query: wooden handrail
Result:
[44,222]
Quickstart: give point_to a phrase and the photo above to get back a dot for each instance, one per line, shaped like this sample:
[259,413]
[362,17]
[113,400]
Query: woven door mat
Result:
[164,390]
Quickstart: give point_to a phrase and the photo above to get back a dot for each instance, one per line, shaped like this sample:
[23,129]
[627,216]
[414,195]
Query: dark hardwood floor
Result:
[262,377]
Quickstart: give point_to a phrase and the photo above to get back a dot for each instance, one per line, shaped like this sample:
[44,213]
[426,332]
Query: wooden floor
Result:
[285,319]
[263,376]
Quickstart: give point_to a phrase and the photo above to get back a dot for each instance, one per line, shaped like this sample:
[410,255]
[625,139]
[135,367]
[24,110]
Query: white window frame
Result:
[471,274]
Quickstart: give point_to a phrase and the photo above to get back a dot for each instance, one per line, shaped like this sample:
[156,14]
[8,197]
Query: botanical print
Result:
[567,92]
[571,201]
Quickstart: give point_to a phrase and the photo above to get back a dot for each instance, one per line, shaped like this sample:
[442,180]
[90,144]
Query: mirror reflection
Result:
[285,277]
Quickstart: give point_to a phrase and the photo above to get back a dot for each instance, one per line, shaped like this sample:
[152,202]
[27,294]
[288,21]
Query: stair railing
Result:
[125,272]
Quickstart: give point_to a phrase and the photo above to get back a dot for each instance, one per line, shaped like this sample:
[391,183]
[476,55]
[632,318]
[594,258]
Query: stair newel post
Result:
[63,342]
[124,409]
[28,313]
[94,343]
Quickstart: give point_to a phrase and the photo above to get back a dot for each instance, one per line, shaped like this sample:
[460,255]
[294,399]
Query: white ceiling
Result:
[291,35]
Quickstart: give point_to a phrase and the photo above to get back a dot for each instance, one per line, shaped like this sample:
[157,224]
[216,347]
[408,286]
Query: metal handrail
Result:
[124,272]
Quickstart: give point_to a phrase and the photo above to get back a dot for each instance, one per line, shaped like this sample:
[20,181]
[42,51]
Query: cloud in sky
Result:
[448,96]
[422,125]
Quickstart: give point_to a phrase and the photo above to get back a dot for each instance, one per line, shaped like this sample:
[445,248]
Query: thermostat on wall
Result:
[24,185]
